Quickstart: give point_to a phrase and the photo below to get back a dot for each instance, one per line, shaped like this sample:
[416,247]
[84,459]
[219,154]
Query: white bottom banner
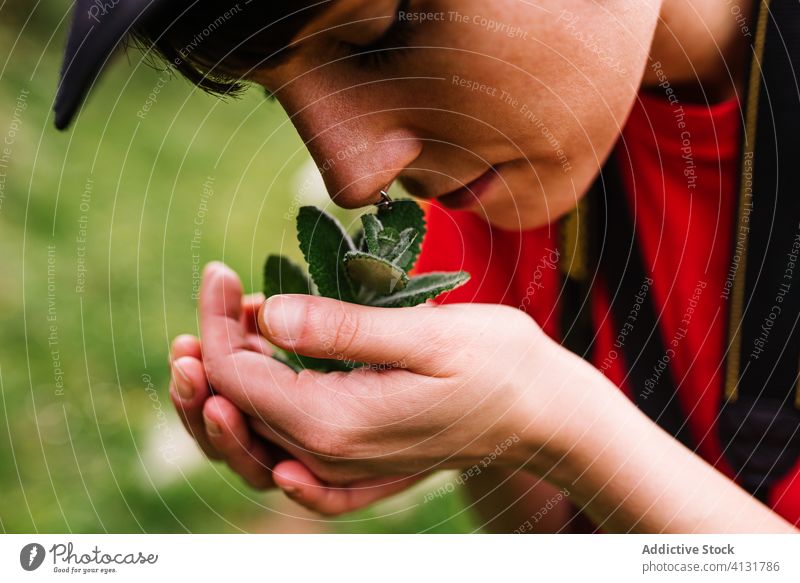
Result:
[389,558]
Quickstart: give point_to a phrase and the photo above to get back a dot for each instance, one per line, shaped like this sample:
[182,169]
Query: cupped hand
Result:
[223,432]
[442,387]
[219,428]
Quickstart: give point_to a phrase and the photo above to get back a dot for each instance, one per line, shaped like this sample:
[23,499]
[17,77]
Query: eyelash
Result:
[383,50]
[389,46]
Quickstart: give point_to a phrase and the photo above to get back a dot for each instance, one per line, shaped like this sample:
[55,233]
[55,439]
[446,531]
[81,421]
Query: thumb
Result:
[412,338]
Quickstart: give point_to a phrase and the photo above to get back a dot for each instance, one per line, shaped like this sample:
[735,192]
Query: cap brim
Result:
[97,28]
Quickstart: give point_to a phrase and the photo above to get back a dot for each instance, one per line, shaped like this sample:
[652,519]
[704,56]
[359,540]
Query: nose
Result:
[358,146]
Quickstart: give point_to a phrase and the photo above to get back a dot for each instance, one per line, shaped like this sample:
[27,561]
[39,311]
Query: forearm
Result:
[508,501]
[631,476]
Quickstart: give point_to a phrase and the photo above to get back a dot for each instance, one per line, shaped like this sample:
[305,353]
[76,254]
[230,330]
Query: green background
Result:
[88,439]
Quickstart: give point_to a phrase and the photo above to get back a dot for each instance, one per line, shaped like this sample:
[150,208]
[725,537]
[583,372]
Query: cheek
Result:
[566,80]
[566,71]
[596,60]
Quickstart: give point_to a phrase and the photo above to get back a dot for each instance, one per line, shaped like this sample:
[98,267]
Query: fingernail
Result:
[290,491]
[284,317]
[182,383]
[212,428]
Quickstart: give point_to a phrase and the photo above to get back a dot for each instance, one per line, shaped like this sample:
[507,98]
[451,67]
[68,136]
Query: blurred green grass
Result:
[88,440]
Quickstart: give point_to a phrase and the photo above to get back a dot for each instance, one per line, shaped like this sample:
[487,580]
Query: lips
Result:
[470,194]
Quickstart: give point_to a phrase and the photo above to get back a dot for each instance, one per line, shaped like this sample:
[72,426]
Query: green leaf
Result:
[401,215]
[298,362]
[282,276]
[387,240]
[375,273]
[324,243]
[401,254]
[372,229]
[359,242]
[422,288]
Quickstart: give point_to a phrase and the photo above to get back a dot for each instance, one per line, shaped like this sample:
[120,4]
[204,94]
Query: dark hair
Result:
[215,44]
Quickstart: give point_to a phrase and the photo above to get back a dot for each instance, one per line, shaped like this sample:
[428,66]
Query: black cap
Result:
[97,28]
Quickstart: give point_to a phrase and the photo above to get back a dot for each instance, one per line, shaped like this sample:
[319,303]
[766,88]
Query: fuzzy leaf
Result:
[401,254]
[401,215]
[359,242]
[422,288]
[388,245]
[387,240]
[282,276]
[375,273]
[324,243]
[372,229]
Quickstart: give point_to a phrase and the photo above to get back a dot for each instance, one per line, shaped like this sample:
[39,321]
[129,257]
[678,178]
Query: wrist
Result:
[568,427]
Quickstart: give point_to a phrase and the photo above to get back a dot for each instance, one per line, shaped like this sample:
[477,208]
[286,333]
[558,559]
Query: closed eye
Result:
[389,45]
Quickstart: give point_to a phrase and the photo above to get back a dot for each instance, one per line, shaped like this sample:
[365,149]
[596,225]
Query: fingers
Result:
[215,423]
[185,345]
[257,343]
[299,484]
[229,433]
[189,390]
[325,328]
[221,311]
[251,304]
[188,345]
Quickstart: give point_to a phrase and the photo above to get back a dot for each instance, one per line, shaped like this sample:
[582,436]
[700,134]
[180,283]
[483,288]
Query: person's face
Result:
[517,101]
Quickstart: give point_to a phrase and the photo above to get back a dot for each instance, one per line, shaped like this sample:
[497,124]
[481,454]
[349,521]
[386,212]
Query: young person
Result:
[500,115]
